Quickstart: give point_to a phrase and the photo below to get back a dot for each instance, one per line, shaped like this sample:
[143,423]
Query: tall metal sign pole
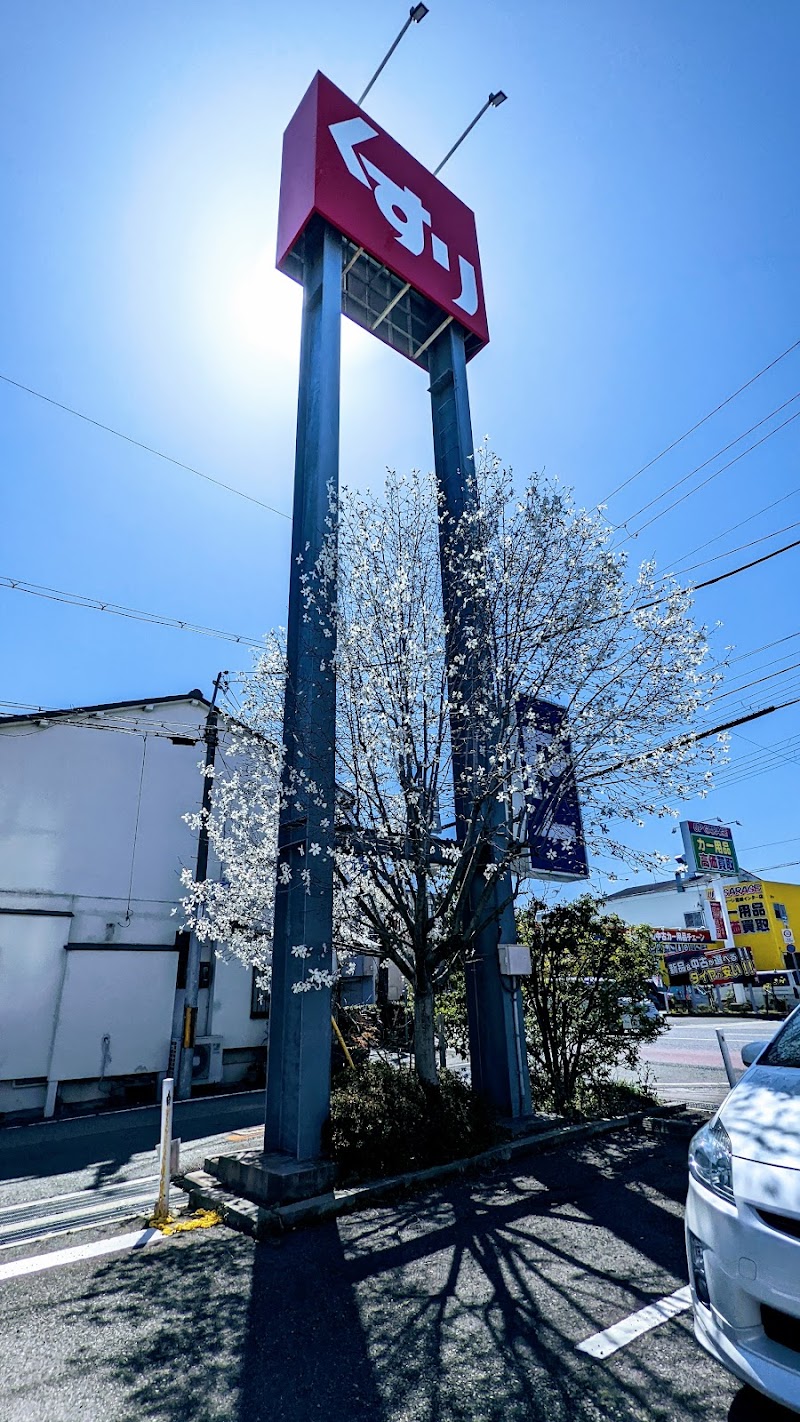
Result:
[298,1083]
[494,1007]
[372,234]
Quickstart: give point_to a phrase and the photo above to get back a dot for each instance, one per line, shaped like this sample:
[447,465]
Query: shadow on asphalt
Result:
[750,1406]
[459,1306]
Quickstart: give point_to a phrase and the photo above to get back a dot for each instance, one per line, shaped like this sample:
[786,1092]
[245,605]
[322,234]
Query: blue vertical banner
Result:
[554,827]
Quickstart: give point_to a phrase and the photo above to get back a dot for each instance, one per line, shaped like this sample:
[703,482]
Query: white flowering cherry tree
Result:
[548,606]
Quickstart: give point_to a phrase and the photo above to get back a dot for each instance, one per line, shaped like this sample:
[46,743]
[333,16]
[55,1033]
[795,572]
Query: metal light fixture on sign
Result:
[415,14]
[493,102]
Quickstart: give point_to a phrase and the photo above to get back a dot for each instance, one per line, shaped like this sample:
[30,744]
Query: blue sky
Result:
[637,211]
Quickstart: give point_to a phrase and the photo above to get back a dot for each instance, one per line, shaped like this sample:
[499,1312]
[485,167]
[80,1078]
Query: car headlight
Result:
[710,1159]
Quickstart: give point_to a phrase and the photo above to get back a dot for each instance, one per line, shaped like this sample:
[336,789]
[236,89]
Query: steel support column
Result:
[298,1071]
[496,1030]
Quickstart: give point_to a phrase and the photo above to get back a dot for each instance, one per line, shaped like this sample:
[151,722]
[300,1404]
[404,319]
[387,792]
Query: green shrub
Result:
[384,1121]
[586,1000]
[604,1098]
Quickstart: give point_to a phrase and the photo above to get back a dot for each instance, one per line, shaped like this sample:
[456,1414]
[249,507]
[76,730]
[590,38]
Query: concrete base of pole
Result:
[272,1178]
[525,1125]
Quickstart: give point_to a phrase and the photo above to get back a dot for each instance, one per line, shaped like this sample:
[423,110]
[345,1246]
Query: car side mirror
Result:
[752,1051]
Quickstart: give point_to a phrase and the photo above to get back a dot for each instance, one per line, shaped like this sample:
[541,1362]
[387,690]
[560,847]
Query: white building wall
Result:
[32,963]
[94,812]
[230,1007]
[92,829]
[661,910]
[115,1015]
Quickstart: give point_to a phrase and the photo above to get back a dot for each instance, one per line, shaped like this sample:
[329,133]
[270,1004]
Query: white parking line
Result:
[138,1239]
[602,1345]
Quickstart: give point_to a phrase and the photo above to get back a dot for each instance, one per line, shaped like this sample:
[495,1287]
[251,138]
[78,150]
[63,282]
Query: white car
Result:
[743,1222]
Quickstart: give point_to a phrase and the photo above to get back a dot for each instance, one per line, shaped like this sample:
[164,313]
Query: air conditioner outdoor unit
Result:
[207,1060]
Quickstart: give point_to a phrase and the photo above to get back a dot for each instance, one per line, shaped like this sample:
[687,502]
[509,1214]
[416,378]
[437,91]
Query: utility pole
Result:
[183,1088]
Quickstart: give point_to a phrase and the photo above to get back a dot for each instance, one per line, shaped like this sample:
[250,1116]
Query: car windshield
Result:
[784,1050]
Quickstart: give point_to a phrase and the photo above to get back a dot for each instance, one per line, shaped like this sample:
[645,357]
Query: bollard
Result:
[164,1150]
[726,1058]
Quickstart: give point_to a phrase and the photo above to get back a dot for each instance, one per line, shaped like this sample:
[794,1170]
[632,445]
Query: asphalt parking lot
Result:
[466,1303]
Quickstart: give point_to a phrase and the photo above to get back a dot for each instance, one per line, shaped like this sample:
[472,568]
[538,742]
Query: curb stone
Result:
[680,1127]
[261,1221]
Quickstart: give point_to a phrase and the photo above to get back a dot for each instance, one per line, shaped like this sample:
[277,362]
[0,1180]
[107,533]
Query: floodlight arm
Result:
[493,102]
[415,15]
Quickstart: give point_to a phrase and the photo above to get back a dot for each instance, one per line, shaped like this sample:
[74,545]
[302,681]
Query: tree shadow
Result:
[463,1305]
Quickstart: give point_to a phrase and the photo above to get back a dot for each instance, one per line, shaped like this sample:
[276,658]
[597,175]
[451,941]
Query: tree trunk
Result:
[424,1044]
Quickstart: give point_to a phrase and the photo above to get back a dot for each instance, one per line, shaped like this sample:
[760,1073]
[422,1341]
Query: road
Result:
[685,1063]
[57,1176]
[465,1304]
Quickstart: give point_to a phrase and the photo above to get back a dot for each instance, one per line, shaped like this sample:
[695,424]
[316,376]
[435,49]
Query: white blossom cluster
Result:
[542,608]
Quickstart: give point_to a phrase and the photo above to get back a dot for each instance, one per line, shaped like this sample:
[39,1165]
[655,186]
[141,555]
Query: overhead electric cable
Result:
[737,690]
[736,526]
[676,484]
[765,647]
[707,583]
[135,614]
[729,552]
[702,422]
[760,762]
[703,482]
[148,448]
[762,666]
[691,736]
[770,844]
[777,763]
[744,567]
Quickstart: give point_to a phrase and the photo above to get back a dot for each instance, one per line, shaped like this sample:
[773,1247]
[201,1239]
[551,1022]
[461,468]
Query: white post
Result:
[162,1203]
[726,1057]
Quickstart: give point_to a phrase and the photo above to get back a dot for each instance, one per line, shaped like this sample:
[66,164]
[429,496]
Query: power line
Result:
[754,563]
[92,725]
[770,844]
[758,681]
[765,647]
[703,482]
[135,614]
[762,666]
[736,526]
[690,736]
[676,484]
[710,582]
[761,763]
[729,552]
[148,448]
[72,599]
[702,422]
